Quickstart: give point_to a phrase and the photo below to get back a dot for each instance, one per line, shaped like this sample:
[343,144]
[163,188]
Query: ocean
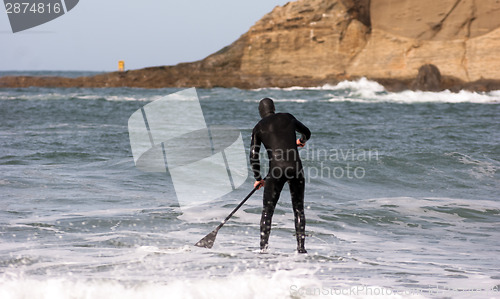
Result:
[402,199]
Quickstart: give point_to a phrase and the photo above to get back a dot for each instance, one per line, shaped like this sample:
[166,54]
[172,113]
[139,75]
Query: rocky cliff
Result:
[314,42]
[460,37]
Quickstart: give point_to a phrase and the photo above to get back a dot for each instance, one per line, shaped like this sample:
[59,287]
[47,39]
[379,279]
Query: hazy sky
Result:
[97,33]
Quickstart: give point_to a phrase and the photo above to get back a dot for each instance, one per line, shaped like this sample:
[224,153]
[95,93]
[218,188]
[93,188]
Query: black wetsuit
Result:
[277,133]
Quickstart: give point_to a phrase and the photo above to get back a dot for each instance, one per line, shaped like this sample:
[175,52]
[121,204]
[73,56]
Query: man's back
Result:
[277,133]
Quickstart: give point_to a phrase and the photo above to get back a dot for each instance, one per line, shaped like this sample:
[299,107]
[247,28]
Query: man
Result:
[277,132]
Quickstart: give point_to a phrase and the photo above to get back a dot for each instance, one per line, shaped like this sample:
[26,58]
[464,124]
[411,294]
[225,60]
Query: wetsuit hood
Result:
[266,107]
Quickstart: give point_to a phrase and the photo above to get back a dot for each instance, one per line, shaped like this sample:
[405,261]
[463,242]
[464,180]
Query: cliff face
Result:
[314,39]
[315,42]
[460,37]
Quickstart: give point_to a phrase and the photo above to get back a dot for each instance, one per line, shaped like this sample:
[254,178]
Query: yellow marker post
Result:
[121,66]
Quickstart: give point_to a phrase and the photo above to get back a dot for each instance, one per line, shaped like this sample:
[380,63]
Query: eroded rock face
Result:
[309,38]
[314,42]
[460,37]
[436,20]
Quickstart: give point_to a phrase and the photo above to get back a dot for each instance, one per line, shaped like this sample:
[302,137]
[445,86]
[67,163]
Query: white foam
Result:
[364,90]
[446,96]
[480,169]
[281,284]
[367,87]
[248,285]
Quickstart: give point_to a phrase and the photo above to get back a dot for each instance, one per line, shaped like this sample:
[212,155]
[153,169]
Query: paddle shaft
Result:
[236,209]
[208,240]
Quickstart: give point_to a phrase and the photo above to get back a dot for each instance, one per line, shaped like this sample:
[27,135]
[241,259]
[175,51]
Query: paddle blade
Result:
[208,240]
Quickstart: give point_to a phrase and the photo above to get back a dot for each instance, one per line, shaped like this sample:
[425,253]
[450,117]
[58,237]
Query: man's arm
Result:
[302,129]
[254,155]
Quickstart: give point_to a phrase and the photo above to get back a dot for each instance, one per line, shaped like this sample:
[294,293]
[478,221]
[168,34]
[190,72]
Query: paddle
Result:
[208,240]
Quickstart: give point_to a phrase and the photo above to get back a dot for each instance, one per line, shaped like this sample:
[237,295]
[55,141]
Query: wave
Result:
[367,91]
[414,97]
[279,100]
[91,94]
[364,90]
[51,96]
[480,169]
[416,207]
[295,283]
[360,91]
[280,284]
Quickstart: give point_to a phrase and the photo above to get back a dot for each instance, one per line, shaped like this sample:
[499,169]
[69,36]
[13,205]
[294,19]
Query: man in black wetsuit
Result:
[277,132]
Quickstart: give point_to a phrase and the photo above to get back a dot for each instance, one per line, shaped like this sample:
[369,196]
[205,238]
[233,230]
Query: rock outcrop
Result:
[428,78]
[314,42]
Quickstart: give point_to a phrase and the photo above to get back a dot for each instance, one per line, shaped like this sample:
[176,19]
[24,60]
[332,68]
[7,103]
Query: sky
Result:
[96,34]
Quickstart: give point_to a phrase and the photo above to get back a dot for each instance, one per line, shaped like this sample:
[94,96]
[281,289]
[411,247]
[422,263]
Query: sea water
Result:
[402,199]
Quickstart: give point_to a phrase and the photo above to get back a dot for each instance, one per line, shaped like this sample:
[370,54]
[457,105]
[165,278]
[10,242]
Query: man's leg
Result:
[272,191]
[297,186]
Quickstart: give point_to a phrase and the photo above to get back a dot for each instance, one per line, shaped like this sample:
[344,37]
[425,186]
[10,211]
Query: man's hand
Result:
[300,143]
[259,184]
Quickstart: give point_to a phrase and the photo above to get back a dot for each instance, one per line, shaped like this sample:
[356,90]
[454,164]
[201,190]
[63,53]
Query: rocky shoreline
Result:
[158,78]
[406,44]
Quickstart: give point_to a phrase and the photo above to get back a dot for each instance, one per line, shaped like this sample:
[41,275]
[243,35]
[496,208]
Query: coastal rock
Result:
[315,38]
[460,37]
[428,78]
[315,42]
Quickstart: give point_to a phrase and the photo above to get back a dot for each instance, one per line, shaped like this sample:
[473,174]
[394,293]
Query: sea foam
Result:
[281,284]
